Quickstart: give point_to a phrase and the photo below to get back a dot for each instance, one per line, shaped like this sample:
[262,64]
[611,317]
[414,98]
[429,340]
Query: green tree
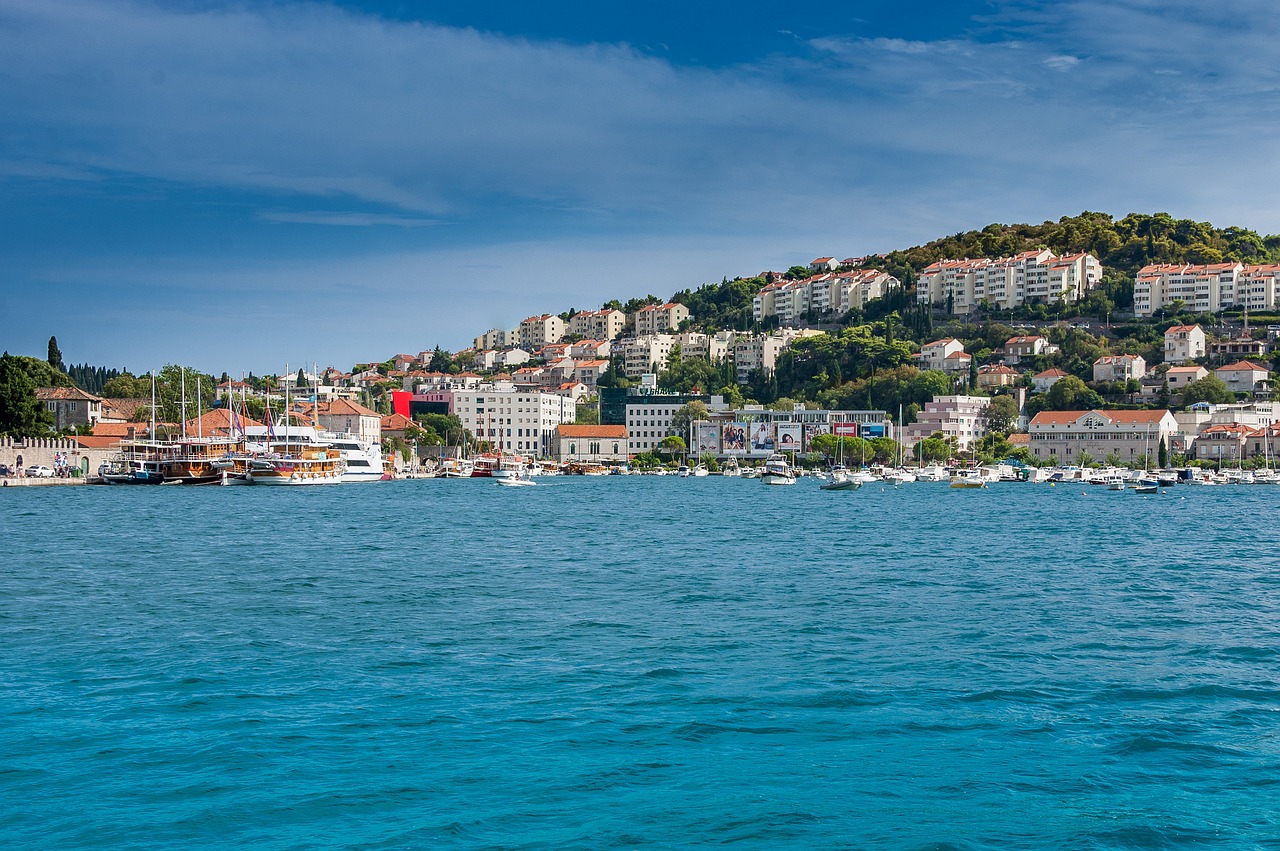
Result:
[21,414]
[1162,454]
[673,445]
[1000,414]
[1211,389]
[686,414]
[586,413]
[55,355]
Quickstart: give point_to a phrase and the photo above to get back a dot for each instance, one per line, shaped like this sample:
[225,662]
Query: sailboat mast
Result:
[183,371]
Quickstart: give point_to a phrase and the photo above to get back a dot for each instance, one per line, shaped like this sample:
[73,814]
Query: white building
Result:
[592,444]
[1183,343]
[1206,288]
[648,353]
[934,355]
[1244,377]
[757,351]
[829,292]
[1129,434]
[1030,277]
[1119,368]
[960,417]
[512,419]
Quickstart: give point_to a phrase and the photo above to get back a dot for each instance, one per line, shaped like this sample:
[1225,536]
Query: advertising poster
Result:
[734,437]
[844,429]
[812,430]
[789,435]
[708,439]
[870,430]
[762,437]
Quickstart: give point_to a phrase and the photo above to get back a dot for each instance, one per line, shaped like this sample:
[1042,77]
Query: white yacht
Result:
[777,471]
[363,457]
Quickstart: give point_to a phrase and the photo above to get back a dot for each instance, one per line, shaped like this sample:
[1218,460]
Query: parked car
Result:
[40,471]
[5,472]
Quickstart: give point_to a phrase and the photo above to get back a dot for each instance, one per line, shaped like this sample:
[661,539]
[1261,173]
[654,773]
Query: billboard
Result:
[762,437]
[844,429]
[708,439]
[872,430]
[789,437]
[812,430]
[734,437]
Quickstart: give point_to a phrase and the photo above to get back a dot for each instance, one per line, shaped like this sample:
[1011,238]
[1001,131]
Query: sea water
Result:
[639,662]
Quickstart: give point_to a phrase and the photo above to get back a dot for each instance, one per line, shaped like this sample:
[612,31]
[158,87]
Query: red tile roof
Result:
[586,431]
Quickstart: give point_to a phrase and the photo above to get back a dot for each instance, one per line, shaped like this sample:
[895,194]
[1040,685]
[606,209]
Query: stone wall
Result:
[41,450]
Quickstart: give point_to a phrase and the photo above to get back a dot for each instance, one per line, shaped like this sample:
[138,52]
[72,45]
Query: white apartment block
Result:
[603,324]
[761,351]
[1208,288]
[824,293]
[713,347]
[960,417]
[1183,343]
[659,318]
[514,420]
[648,353]
[1008,282]
[496,338]
[539,331]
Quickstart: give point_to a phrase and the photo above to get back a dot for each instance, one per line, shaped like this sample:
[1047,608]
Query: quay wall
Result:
[42,450]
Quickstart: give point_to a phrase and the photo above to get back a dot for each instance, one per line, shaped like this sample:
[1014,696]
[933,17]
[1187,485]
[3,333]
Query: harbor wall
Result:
[43,450]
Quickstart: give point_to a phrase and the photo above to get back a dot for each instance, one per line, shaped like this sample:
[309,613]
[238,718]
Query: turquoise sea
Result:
[639,663]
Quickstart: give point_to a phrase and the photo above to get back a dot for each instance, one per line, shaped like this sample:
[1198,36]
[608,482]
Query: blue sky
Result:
[237,185]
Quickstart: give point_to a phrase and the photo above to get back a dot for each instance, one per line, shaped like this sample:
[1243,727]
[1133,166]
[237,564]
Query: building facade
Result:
[1131,435]
[1008,282]
[959,417]
[591,444]
[512,419]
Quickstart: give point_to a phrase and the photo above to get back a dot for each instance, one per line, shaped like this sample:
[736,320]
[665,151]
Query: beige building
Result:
[604,324]
[658,318]
[1129,434]
[591,444]
[70,406]
[1206,288]
[539,331]
[1183,343]
[497,338]
[994,376]
[512,419]
[1180,376]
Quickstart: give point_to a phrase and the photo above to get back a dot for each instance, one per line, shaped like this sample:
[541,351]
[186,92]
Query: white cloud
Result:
[345,219]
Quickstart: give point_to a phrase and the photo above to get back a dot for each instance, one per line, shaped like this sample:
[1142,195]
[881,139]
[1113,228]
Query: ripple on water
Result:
[618,663]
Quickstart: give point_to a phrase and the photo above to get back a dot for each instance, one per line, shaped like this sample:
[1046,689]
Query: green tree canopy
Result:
[1211,389]
[1001,414]
[21,414]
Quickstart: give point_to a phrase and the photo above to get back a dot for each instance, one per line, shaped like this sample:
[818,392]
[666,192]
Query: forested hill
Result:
[1121,245]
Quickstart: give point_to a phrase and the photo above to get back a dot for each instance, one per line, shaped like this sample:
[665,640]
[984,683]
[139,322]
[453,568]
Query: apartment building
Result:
[659,318]
[497,338]
[1008,282]
[829,292]
[647,353]
[513,419]
[604,324]
[960,417]
[1206,288]
[539,331]
[934,355]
